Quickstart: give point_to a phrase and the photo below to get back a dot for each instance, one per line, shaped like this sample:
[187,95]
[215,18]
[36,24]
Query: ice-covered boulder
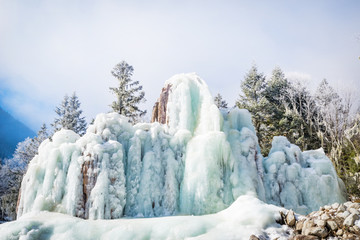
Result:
[193,159]
[303,181]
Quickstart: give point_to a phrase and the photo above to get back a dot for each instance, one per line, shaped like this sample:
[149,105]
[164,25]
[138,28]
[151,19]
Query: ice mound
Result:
[198,163]
[302,181]
[246,216]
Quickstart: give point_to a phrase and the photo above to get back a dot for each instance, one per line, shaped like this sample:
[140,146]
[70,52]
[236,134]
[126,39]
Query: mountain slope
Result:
[12,131]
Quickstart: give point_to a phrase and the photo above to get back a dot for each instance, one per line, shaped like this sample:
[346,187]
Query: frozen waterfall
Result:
[199,162]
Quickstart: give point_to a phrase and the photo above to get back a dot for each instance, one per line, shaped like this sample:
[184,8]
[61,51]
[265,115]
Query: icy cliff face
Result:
[199,162]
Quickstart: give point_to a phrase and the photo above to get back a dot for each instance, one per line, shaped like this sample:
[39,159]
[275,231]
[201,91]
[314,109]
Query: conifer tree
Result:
[27,149]
[252,98]
[274,112]
[219,102]
[69,116]
[12,171]
[128,93]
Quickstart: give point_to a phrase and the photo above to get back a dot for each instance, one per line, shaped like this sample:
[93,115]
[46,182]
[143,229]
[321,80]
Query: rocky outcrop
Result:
[331,221]
[159,109]
[89,175]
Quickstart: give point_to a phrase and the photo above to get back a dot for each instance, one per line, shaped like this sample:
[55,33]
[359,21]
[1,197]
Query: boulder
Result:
[253,237]
[299,226]
[350,220]
[354,211]
[318,231]
[290,218]
[308,223]
[335,205]
[320,223]
[331,224]
[325,216]
[339,232]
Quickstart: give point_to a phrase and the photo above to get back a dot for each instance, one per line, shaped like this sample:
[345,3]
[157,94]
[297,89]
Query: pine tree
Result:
[219,102]
[69,116]
[129,93]
[252,98]
[27,149]
[274,112]
[12,171]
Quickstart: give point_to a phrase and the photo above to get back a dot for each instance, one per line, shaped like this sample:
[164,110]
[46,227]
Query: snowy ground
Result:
[246,216]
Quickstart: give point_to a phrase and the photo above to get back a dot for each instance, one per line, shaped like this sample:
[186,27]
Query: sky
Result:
[52,48]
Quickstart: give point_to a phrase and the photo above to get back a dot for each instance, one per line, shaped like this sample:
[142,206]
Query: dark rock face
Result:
[89,175]
[159,109]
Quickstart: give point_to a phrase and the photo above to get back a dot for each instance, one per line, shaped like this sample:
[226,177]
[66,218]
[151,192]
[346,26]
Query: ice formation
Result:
[302,181]
[199,162]
[246,216]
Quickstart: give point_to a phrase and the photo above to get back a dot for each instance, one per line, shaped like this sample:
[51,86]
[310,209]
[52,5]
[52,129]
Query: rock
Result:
[351,229]
[335,206]
[89,181]
[305,237]
[356,228]
[344,214]
[327,207]
[353,211]
[320,223]
[159,109]
[339,232]
[339,221]
[290,218]
[299,226]
[331,224]
[321,209]
[325,216]
[282,219]
[347,204]
[253,237]
[308,223]
[341,208]
[315,214]
[348,236]
[350,220]
[355,205]
[318,231]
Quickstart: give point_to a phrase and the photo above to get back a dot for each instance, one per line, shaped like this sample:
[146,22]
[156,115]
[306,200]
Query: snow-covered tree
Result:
[128,93]
[69,115]
[219,102]
[252,98]
[27,149]
[12,171]
[274,111]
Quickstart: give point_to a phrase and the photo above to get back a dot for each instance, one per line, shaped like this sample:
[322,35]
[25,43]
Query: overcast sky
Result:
[52,48]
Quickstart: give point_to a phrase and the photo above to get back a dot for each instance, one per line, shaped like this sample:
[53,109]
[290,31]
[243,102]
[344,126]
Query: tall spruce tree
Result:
[69,115]
[252,98]
[274,112]
[129,93]
[219,102]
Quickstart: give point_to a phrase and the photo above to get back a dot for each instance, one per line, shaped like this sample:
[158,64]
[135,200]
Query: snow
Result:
[200,163]
[246,216]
